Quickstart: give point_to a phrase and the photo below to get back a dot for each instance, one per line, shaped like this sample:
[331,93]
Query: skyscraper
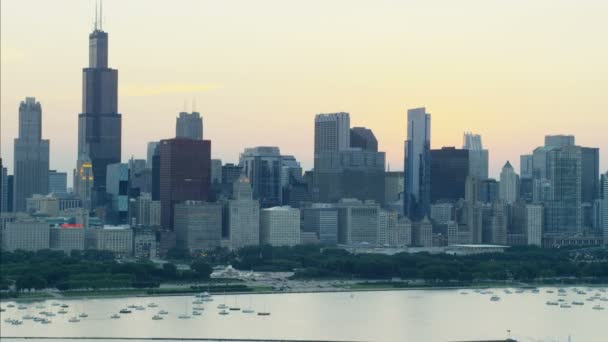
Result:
[99,123]
[151,147]
[563,207]
[363,138]
[604,217]
[449,172]
[332,132]
[31,166]
[243,216]
[526,166]
[478,157]
[3,188]
[559,140]
[263,166]
[509,184]
[185,174]
[58,182]
[83,180]
[590,168]
[416,201]
[189,126]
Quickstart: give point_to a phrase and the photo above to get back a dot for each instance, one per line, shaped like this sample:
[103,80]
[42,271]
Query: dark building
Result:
[349,174]
[526,189]
[185,174]
[10,181]
[363,138]
[488,190]
[189,126]
[590,173]
[449,172]
[230,174]
[31,166]
[156,174]
[3,198]
[99,123]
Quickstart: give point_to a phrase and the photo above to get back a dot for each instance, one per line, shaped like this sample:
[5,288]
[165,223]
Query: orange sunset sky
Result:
[259,71]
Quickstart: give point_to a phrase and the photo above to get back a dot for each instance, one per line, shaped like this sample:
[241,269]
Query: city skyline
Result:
[223,100]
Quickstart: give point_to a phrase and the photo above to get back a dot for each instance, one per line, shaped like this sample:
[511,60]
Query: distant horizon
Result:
[259,77]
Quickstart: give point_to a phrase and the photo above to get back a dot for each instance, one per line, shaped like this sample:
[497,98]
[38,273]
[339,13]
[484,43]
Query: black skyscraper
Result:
[449,172]
[99,124]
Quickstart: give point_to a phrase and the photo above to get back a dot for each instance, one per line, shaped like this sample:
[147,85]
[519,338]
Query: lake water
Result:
[425,315]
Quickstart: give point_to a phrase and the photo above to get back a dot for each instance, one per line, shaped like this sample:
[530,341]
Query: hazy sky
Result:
[259,71]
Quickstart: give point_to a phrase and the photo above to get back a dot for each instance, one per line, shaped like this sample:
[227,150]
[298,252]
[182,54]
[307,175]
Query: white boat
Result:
[65,306]
[74,320]
[198,308]
[83,315]
[207,299]
[565,305]
[183,316]
[464,293]
[552,303]
[224,312]
[222,306]
[152,305]
[22,307]
[62,311]
[27,317]
[157,317]
[495,298]
[132,306]
[598,307]
[198,302]
[263,313]
[578,303]
[140,308]
[55,304]
[115,316]
[45,321]
[10,306]
[196,313]
[16,322]
[163,312]
[249,310]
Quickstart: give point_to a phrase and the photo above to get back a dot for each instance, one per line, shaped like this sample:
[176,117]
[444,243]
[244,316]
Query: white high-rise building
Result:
[509,184]
[534,224]
[478,157]
[332,132]
[243,216]
[280,226]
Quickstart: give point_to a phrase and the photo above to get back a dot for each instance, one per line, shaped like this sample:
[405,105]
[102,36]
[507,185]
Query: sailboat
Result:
[185,314]
[264,313]
[235,307]
[248,309]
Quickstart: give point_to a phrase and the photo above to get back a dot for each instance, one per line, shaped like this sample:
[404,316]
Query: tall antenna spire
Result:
[101,15]
[96,16]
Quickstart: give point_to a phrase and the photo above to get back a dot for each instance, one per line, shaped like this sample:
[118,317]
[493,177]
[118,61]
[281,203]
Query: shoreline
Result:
[101,295]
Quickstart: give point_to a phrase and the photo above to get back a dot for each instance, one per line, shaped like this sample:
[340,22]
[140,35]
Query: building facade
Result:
[198,225]
[417,192]
[189,126]
[280,226]
[31,155]
[243,216]
[26,235]
[322,219]
[185,174]
[509,184]
[99,123]
[449,172]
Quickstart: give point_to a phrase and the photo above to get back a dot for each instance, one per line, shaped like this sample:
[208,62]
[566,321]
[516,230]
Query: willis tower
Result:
[99,124]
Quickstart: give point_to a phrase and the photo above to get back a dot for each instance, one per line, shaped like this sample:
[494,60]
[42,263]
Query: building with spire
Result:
[509,184]
[99,123]
[31,166]
[189,126]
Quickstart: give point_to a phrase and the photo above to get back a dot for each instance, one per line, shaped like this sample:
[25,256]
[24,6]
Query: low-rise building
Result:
[67,237]
[26,235]
[117,239]
[280,226]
